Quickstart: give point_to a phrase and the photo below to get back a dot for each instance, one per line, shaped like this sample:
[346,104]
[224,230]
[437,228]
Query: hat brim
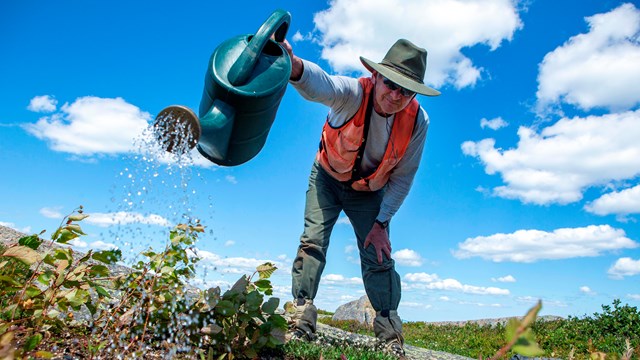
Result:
[398,78]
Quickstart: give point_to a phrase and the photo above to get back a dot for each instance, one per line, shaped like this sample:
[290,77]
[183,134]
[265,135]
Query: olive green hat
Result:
[405,65]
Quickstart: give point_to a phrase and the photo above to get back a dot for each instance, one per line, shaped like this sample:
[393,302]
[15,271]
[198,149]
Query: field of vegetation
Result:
[151,312]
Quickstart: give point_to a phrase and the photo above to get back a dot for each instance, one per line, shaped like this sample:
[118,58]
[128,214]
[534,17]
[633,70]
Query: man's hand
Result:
[379,238]
[297,66]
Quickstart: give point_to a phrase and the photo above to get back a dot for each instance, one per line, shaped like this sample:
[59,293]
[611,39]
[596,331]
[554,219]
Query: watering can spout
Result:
[244,83]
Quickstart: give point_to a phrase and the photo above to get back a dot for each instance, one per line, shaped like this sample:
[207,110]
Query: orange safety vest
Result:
[342,148]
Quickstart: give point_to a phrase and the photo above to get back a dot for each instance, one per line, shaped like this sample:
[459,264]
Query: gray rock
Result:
[359,310]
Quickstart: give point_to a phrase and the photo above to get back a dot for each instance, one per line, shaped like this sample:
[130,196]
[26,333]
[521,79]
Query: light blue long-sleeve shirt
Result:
[343,95]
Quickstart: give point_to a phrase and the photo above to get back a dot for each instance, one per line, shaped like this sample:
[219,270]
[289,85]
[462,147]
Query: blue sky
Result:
[528,187]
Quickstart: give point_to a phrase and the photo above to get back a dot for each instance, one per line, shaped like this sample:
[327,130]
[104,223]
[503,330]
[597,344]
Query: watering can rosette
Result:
[245,81]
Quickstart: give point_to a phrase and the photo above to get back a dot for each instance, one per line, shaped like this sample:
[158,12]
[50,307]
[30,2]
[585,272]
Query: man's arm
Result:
[402,176]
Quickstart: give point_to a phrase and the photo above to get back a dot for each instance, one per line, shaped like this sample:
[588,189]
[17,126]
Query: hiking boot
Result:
[394,348]
[296,334]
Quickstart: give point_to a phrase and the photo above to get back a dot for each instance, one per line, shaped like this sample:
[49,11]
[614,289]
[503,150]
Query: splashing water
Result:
[156,190]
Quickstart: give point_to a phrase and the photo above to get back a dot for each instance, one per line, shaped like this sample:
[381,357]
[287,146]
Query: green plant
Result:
[36,302]
[42,285]
[238,322]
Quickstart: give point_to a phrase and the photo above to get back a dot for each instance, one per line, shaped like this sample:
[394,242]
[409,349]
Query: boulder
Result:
[359,310]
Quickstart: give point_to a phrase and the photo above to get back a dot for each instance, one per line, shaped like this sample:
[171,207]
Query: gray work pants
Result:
[326,198]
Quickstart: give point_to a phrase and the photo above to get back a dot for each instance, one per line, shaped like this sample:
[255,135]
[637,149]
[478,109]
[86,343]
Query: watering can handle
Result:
[277,24]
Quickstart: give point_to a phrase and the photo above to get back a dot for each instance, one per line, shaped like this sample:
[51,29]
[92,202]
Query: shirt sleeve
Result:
[401,178]
[341,94]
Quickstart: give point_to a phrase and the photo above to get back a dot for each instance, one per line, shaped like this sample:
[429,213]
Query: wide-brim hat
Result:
[405,65]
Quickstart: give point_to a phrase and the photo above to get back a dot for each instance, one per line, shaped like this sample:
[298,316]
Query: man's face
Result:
[385,100]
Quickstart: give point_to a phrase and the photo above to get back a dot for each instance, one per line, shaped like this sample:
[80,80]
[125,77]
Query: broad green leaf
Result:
[65,235]
[271,305]
[78,217]
[77,297]
[212,296]
[527,347]
[225,308]
[239,287]
[177,239]
[32,241]
[530,318]
[265,270]
[32,342]
[86,257]
[263,284]
[4,279]
[512,327]
[107,256]
[254,300]
[32,291]
[23,253]
[98,270]
[45,277]
[76,229]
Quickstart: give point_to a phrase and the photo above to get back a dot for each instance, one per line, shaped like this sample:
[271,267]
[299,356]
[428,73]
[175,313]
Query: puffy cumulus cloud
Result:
[559,163]
[433,282]
[621,202]
[123,217]
[230,265]
[625,266]
[407,257]
[352,28]
[337,279]
[504,279]
[493,124]
[44,103]
[527,246]
[92,125]
[596,69]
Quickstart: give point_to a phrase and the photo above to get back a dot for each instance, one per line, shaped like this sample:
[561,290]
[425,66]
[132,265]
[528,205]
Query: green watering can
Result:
[244,83]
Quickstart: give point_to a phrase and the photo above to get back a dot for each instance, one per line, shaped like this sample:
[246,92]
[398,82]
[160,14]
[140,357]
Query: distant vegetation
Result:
[613,333]
[45,287]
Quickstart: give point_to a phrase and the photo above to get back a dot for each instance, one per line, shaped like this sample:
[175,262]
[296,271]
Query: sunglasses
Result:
[393,86]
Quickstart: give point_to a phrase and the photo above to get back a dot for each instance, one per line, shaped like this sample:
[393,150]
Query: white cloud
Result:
[353,28]
[564,159]
[343,220]
[231,265]
[596,69]
[123,217]
[504,279]
[231,179]
[336,279]
[493,124]
[622,202]
[586,290]
[528,246]
[349,249]
[407,257]
[634,296]
[51,213]
[625,266]
[92,125]
[101,245]
[433,282]
[44,103]
[229,243]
